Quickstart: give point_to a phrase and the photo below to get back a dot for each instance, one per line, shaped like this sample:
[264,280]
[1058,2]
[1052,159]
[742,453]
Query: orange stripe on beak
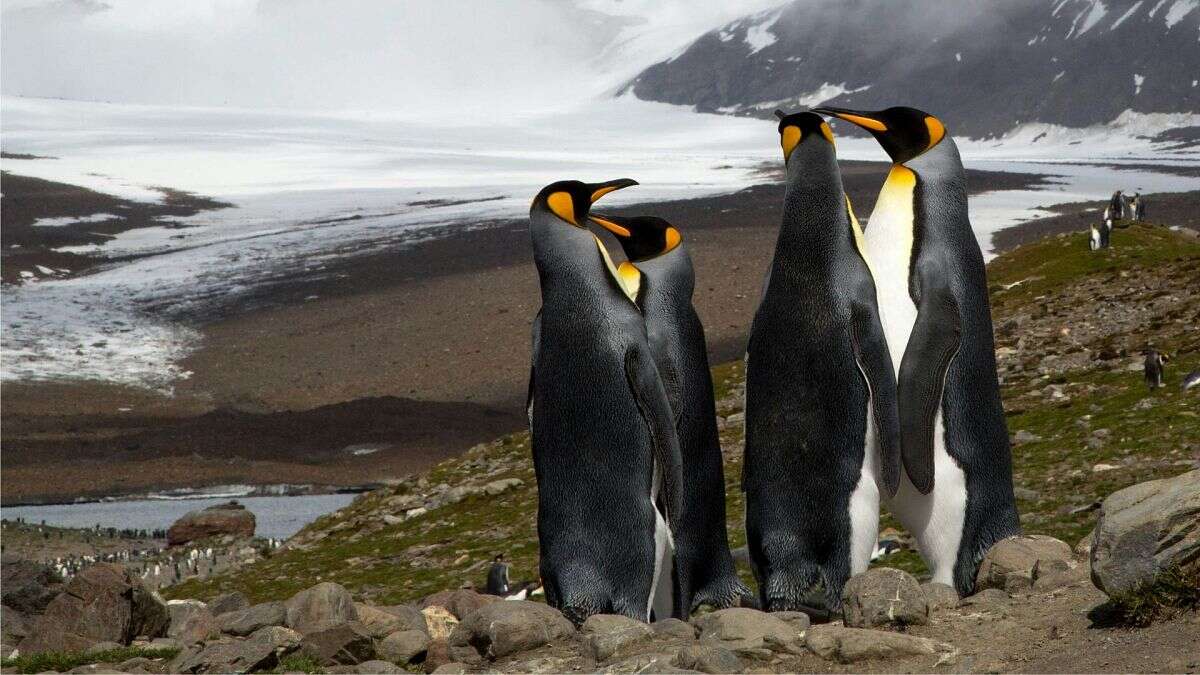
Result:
[611,226]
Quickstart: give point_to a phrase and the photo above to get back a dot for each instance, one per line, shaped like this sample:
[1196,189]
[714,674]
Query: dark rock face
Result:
[103,603]
[345,644]
[231,518]
[27,586]
[246,621]
[990,67]
[261,651]
[228,602]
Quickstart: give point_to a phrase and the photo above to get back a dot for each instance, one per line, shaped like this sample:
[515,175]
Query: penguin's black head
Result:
[570,200]
[642,237]
[796,128]
[903,132]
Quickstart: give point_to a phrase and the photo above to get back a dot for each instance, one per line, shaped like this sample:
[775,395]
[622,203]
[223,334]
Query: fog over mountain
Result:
[984,66]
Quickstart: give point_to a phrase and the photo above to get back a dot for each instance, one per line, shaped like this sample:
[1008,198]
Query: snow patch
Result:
[1059,75]
[1178,10]
[759,36]
[958,56]
[73,220]
[1126,15]
[1137,83]
[1154,10]
[1086,19]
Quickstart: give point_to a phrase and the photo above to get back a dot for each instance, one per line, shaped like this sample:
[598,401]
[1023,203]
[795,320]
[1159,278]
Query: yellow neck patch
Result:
[563,206]
[828,134]
[673,239]
[937,131]
[789,138]
[628,277]
[860,241]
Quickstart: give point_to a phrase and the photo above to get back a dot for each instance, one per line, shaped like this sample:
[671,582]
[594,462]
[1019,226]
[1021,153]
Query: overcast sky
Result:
[357,54]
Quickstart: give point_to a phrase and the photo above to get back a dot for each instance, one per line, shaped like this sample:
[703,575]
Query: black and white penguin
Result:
[822,436]
[956,494]
[1106,233]
[605,452]
[497,579]
[1094,238]
[1153,369]
[1192,380]
[707,574]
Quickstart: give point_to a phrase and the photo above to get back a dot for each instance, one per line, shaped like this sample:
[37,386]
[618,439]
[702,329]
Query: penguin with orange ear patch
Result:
[707,573]
[821,428]
[605,450]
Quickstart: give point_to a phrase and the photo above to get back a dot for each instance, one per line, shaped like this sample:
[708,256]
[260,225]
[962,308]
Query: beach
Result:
[384,364]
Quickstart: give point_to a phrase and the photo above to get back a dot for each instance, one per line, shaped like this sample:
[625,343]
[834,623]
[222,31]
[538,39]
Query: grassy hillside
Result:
[1071,326]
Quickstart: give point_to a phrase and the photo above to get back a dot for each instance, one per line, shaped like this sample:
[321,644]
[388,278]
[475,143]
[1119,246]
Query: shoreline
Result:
[417,353]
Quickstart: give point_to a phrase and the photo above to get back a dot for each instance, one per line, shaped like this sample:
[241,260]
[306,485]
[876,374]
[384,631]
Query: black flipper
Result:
[931,346]
[871,353]
[537,345]
[651,399]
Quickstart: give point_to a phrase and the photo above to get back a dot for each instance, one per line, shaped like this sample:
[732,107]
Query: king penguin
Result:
[822,437]
[706,570]
[605,453]
[956,493]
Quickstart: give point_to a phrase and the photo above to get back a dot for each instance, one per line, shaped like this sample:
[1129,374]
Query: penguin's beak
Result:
[609,223]
[865,119]
[601,189]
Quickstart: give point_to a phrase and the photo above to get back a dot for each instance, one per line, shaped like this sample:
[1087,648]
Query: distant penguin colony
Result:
[870,381]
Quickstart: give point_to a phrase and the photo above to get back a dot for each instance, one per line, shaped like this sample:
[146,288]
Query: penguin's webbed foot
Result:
[724,593]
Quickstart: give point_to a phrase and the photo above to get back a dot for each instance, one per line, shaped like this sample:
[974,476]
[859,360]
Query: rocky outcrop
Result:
[606,634]
[103,603]
[319,608]
[504,628]
[248,620]
[343,644]
[848,645]
[231,518]
[27,586]
[228,602]
[190,622]
[742,629]
[884,597]
[1145,529]
[404,647]
[460,602]
[1010,564]
[261,651]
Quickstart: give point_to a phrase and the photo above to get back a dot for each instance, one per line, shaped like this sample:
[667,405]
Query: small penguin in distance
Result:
[1094,239]
[708,575]
[956,492]
[605,452]
[1153,367]
[822,432]
[498,579]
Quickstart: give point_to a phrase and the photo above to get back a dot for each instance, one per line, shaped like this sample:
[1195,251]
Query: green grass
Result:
[452,545]
[1172,592]
[64,661]
[298,663]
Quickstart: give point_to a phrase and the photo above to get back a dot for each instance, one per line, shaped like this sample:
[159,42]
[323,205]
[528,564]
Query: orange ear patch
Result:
[789,138]
[937,131]
[563,206]
[673,239]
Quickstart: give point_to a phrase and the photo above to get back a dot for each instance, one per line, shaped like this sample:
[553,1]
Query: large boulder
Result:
[345,644]
[27,586]
[323,606]
[1009,564]
[606,634]
[404,647]
[379,622]
[848,645]
[228,602]
[408,617]
[1144,529]
[191,622]
[884,597]
[103,603]
[231,518]
[504,628]
[708,659]
[745,629]
[261,651]
[460,602]
[246,621]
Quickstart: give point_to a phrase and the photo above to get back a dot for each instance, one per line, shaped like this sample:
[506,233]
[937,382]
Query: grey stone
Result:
[988,596]
[1023,436]
[228,602]
[849,645]
[379,622]
[345,644]
[1018,555]
[246,621]
[321,607]
[408,616]
[606,634]
[742,628]
[1025,494]
[372,667]
[404,647]
[884,596]
[261,651]
[708,659]
[939,596]
[193,627]
[1144,529]
[460,602]
[674,628]
[102,647]
[504,628]
[645,663]
[27,586]
[497,487]
[798,620]
[450,669]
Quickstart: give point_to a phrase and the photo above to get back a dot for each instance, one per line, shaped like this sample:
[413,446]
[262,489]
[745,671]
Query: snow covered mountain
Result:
[983,66]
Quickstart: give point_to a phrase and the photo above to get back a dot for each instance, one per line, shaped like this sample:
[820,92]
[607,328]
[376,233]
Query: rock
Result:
[101,647]
[439,622]
[14,627]
[645,663]
[708,659]
[261,651]
[228,602]
[450,669]
[884,597]
[379,623]
[1018,555]
[407,617]
[606,634]
[191,622]
[319,608]
[372,667]
[848,645]
[345,644]
[1083,549]
[103,603]
[988,596]
[246,621]
[404,647]
[742,628]
[1025,494]
[1144,529]
[460,602]
[674,628]
[1101,468]
[503,485]
[939,596]
[504,628]
[27,586]
[231,518]
[1023,436]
